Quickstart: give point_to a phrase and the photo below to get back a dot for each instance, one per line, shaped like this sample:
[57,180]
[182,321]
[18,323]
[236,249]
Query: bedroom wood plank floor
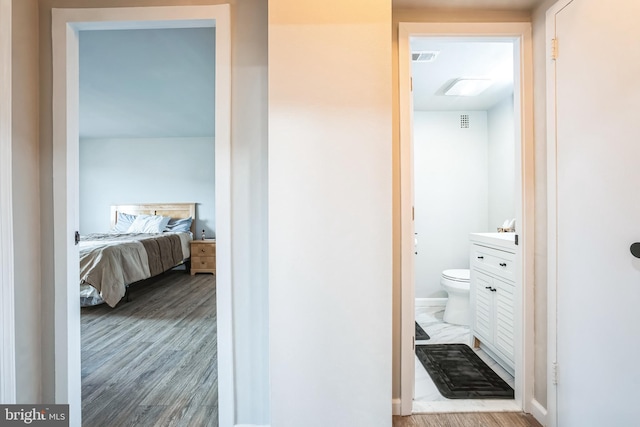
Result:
[152,361]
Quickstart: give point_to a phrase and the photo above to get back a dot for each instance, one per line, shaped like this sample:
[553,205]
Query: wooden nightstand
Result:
[203,256]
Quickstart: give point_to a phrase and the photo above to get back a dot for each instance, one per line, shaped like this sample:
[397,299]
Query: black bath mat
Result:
[459,373]
[421,335]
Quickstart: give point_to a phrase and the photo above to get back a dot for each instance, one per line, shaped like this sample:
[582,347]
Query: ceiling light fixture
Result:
[467,87]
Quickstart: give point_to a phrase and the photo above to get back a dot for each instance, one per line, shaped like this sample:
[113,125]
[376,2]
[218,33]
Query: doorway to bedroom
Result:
[162,301]
[146,153]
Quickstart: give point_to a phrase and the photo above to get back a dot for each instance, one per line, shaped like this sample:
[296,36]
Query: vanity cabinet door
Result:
[493,315]
[483,307]
[504,330]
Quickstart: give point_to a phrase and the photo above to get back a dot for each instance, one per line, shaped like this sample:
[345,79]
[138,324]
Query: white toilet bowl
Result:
[456,283]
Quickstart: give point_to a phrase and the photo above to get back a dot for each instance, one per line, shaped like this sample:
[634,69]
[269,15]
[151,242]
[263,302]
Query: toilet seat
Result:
[458,275]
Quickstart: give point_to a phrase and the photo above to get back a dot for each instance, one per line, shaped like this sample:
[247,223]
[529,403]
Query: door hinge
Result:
[411,84]
[413,213]
[516,240]
[414,342]
[554,373]
[77,237]
[554,49]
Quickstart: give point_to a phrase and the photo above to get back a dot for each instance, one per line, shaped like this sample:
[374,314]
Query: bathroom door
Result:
[597,215]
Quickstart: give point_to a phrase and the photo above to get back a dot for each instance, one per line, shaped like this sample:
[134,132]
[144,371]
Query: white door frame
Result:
[520,33]
[65,26]
[7,299]
[552,215]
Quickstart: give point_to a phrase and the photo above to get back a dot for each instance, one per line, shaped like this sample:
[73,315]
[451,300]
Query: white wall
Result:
[330,204]
[26,203]
[146,170]
[502,145]
[451,192]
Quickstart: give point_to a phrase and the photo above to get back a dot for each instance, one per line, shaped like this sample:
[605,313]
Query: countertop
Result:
[502,240]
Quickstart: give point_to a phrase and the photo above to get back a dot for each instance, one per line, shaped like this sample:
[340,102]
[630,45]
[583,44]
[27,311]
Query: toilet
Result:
[456,283]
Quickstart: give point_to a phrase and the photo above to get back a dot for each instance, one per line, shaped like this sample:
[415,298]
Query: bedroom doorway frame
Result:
[7,297]
[66,23]
[520,35]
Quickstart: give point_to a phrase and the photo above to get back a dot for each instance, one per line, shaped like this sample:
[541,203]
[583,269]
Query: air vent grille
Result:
[464,121]
[424,56]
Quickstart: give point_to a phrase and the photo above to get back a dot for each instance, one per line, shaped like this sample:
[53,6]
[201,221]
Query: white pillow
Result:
[123,223]
[149,224]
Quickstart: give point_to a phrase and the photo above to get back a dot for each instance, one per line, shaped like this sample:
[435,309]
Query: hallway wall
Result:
[330,221]
[26,203]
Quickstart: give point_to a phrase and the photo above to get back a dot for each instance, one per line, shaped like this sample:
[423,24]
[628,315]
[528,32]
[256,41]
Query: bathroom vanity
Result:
[492,295]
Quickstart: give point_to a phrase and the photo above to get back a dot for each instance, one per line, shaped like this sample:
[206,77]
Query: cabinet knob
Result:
[503,264]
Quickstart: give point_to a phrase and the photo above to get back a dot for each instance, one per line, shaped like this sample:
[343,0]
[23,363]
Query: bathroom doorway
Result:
[464,182]
[465,147]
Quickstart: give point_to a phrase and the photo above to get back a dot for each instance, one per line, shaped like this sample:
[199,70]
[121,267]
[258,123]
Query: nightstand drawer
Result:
[203,263]
[202,250]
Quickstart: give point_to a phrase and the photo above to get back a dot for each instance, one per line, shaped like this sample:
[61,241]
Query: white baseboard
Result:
[431,302]
[539,412]
[396,406]
[252,425]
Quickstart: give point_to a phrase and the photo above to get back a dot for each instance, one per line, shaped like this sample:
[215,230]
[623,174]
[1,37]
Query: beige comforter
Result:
[109,262]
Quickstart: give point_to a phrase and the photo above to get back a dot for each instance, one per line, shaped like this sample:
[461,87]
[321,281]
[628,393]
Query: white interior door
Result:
[597,100]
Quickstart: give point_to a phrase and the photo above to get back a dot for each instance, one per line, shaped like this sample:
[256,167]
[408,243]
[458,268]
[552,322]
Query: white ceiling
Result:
[475,4]
[461,59]
[147,83]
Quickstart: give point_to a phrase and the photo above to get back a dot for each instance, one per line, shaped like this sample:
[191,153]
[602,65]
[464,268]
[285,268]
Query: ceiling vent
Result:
[424,56]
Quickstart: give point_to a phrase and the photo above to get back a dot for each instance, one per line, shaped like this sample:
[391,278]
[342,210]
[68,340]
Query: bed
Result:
[144,240]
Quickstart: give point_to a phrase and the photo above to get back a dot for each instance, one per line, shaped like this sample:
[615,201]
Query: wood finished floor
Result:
[476,419]
[152,361]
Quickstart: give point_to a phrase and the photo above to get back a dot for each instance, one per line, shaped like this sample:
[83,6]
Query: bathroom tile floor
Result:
[427,398]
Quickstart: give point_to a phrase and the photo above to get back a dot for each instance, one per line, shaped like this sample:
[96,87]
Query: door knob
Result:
[635,249]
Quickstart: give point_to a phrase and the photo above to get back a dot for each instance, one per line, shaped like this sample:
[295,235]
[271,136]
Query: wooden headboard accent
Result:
[173,210]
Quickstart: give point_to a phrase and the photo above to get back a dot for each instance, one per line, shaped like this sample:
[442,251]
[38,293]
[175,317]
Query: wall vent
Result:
[424,55]
[464,121]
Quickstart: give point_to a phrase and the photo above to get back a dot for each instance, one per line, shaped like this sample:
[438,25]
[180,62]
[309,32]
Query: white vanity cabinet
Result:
[493,280]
